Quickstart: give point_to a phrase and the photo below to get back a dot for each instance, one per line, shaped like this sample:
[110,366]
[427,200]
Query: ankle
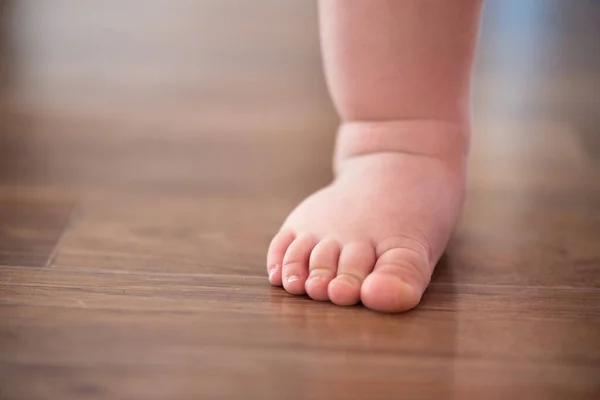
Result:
[444,140]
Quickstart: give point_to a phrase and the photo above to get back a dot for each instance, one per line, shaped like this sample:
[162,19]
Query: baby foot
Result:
[375,234]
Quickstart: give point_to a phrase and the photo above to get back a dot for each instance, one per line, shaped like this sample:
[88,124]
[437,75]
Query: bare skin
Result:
[399,75]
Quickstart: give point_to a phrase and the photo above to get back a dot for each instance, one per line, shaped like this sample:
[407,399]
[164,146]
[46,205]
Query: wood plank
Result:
[532,242]
[30,230]
[219,235]
[108,324]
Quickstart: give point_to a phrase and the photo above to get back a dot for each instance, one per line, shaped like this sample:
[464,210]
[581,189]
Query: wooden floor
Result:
[149,150]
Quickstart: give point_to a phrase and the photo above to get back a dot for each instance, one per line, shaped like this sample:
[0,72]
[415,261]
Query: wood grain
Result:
[30,231]
[149,152]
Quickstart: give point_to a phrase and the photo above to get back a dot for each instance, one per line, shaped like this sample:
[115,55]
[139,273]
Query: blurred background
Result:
[228,95]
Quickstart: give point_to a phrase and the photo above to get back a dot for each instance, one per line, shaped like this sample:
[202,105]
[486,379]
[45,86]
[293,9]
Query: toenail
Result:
[351,279]
[320,272]
[293,278]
